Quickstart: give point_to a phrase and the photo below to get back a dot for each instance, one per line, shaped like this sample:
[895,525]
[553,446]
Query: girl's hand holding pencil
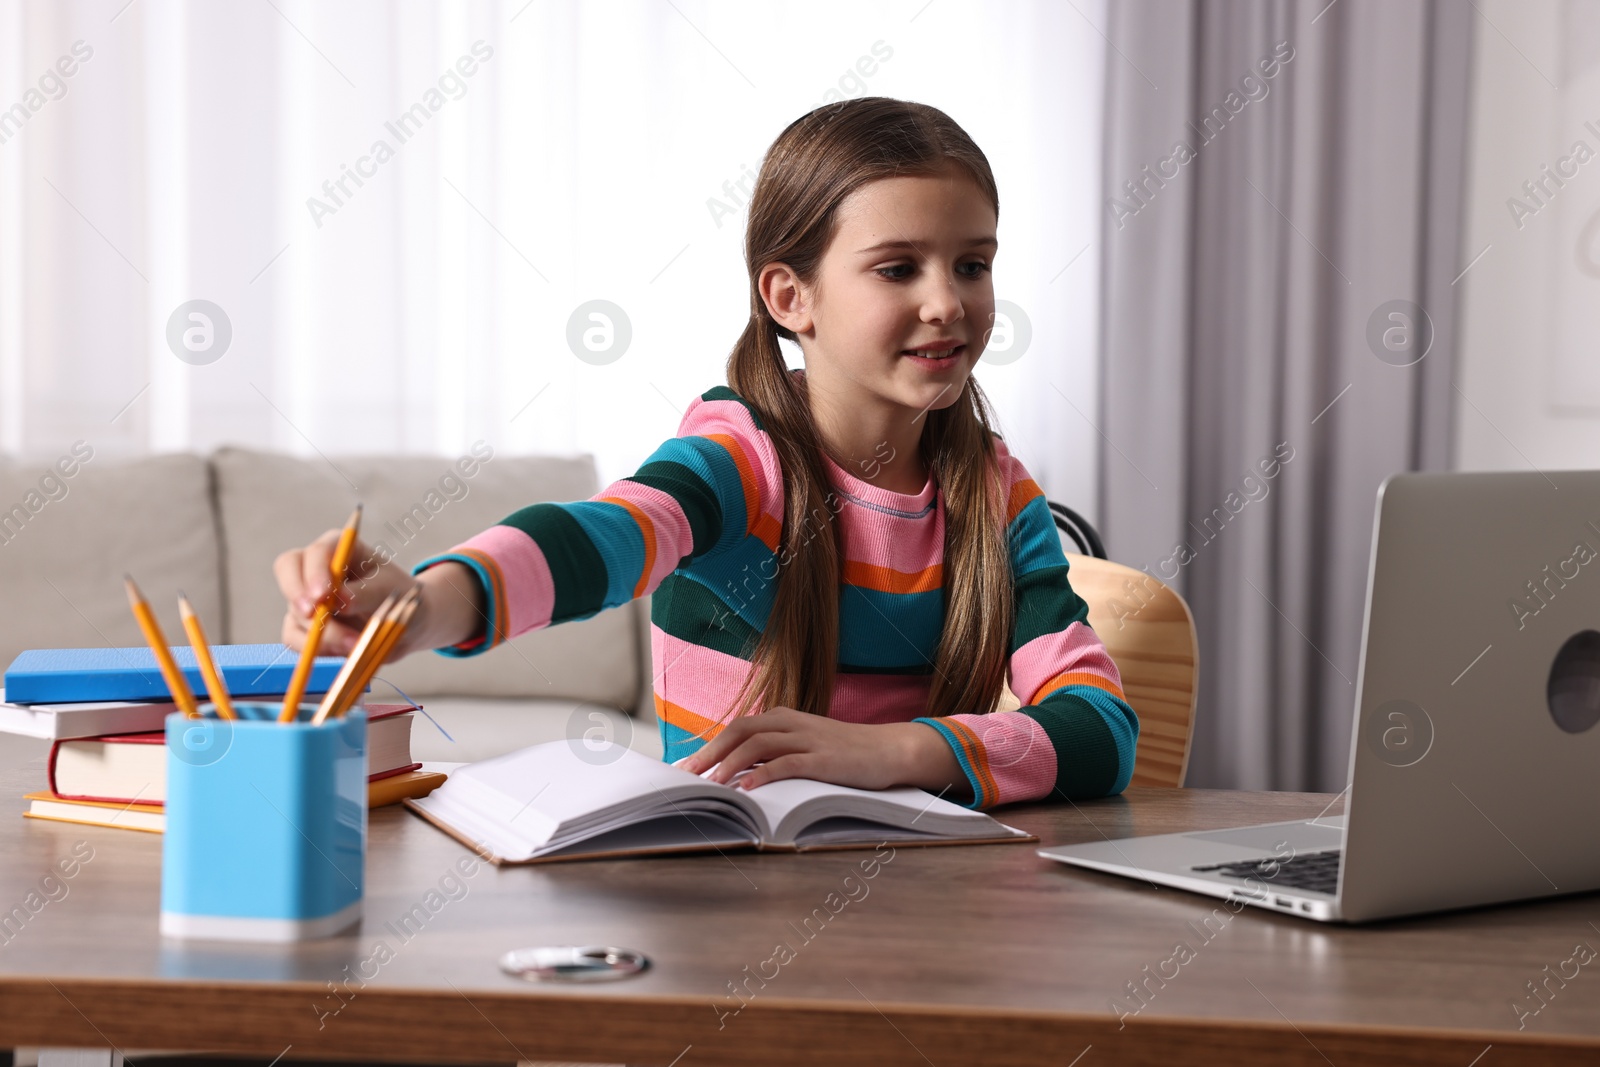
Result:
[448,610]
[305,577]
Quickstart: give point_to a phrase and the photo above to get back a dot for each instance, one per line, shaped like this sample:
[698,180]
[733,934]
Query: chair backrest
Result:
[1148,630]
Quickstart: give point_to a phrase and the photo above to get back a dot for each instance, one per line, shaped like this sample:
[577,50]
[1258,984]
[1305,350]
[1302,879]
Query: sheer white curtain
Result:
[399,208]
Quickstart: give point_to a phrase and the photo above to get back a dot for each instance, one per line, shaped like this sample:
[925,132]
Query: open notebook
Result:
[576,800]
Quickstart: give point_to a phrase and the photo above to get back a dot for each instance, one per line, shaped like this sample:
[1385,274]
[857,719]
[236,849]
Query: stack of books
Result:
[104,710]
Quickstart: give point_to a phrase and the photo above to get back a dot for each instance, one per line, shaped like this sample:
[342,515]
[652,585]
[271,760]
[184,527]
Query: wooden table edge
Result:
[490,1026]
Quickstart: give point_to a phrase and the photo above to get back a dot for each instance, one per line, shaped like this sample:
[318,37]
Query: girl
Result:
[846,562]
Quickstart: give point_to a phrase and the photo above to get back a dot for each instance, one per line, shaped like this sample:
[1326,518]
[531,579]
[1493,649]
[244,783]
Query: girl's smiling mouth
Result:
[937,355]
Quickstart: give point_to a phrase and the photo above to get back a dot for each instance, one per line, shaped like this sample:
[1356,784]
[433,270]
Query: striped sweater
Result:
[698,526]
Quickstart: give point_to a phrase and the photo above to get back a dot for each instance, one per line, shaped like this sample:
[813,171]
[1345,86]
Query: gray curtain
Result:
[1279,323]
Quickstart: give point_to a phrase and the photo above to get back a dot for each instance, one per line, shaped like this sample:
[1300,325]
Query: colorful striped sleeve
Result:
[1074,736]
[701,492]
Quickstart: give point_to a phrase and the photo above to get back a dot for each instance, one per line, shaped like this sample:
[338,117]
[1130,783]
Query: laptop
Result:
[1474,751]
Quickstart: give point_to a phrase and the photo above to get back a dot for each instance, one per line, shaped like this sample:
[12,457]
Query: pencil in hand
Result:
[182,695]
[319,619]
[216,688]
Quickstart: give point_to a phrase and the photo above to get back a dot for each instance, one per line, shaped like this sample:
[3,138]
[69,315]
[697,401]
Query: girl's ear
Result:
[785,296]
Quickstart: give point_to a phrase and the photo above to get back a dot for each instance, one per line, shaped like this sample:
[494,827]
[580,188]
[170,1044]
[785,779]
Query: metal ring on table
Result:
[573,963]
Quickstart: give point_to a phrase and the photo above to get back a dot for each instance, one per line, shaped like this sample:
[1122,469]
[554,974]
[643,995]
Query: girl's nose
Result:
[942,303]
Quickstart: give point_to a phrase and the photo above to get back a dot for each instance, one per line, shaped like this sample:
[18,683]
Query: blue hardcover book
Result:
[69,675]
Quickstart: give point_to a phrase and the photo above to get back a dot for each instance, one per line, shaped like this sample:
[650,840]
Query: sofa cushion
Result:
[418,506]
[480,728]
[66,540]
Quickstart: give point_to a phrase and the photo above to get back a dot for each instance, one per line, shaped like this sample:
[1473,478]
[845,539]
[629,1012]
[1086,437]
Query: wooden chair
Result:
[1148,630]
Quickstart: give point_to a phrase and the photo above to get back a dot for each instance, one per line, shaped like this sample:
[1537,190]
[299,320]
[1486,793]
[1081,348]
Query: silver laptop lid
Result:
[1475,760]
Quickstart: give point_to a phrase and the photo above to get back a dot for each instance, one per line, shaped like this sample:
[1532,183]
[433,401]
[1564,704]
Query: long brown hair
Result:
[819,160]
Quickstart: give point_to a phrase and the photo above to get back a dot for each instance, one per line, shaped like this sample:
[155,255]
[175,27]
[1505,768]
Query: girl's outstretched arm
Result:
[698,494]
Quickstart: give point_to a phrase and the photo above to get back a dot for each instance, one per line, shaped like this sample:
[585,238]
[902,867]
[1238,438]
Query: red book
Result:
[132,768]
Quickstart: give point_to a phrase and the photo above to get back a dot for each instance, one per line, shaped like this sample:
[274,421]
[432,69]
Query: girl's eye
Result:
[884,272]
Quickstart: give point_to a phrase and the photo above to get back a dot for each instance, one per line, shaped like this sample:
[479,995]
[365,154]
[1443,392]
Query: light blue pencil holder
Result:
[266,836]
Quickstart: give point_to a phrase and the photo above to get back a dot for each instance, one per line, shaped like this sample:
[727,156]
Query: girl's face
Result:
[908,269]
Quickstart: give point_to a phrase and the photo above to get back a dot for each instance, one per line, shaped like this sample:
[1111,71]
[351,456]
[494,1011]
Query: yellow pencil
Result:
[182,695]
[216,688]
[342,693]
[319,619]
[388,635]
[331,699]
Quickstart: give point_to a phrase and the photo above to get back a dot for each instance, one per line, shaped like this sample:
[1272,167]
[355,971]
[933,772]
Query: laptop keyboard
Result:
[1316,871]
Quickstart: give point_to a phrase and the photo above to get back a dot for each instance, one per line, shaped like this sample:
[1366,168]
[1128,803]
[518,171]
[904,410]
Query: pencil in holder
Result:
[266,834]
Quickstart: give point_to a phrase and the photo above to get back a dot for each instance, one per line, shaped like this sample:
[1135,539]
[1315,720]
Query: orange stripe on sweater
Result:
[978,758]
[888,580]
[501,622]
[767,530]
[687,720]
[1066,678]
[1021,493]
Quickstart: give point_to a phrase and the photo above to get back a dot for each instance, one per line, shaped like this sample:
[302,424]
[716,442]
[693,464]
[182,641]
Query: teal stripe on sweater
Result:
[1034,541]
[744,577]
[879,630]
[978,800]
[618,541]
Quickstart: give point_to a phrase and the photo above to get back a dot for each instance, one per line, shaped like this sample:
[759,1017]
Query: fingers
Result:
[287,569]
[790,765]
[713,751]
[338,639]
[294,630]
[305,575]
[765,745]
[316,563]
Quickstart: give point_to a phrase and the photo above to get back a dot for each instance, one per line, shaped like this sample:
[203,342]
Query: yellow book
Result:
[152,818]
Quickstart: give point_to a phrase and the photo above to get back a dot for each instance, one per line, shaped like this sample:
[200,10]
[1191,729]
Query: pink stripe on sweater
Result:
[705,681]
[1076,648]
[1018,752]
[696,678]
[906,545]
[1011,469]
[706,417]
[876,698]
[530,592]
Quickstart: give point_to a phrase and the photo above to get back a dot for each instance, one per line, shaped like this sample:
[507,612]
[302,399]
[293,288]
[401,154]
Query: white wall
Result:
[432,306]
[1529,372]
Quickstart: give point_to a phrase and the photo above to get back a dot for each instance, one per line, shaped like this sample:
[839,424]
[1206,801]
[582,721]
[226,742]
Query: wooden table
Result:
[948,956]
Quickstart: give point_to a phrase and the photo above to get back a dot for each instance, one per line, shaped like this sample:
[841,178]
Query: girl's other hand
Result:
[305,577]
[787,743]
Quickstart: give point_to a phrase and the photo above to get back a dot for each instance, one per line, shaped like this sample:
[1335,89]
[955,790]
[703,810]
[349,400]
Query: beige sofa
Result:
[212,525]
